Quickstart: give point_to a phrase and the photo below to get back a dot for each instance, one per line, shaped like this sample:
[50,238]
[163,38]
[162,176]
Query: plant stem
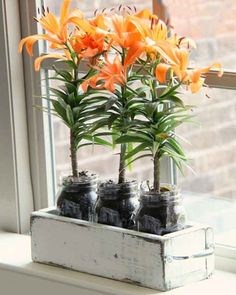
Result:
[156,174]
[74,163]
[122,169]
[73,149]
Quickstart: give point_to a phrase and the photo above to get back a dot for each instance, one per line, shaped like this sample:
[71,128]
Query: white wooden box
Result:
[158,262]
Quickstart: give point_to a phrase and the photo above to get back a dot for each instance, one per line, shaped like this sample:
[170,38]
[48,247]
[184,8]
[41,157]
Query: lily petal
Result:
[196,86]
[64,11]
[29,42]
[145,13]
[50,23]
[39,60]
[161,71]
[83,24]
[133,53]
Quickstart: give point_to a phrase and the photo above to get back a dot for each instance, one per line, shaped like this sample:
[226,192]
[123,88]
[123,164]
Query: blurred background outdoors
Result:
[210,191]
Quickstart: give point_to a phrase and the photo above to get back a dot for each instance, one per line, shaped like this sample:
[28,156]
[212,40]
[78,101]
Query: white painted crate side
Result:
[117,253]
[192,241]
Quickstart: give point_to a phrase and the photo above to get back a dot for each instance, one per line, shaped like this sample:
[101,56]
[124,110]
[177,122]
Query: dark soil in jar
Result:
[117,204]
[77,197]
[161,213]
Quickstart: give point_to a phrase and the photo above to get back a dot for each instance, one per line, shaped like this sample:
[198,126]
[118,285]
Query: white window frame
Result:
[41,150]
[15,182]
[26,178]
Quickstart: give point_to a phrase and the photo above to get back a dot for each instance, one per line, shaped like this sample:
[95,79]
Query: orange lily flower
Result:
[195,78]
[99,22]
[149,25]
[117,28]
[124,33]
[154,34]
[110,74]
[120,31]
[56,29]
[179,66]
[178,61]
[88,45]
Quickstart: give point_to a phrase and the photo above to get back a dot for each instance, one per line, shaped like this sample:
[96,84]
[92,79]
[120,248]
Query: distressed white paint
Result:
[120,254]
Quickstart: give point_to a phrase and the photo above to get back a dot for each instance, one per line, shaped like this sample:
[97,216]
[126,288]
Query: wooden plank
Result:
[120,254]
[179,272]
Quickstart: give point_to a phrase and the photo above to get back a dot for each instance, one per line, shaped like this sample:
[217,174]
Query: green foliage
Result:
[141,119]
[157,110]
[79,111]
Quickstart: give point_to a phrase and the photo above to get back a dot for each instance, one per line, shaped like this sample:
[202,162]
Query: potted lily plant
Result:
[161,111]
[74,39]
[117,199]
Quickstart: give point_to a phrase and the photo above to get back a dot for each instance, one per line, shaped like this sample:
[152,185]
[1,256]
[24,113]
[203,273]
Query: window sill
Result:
[15,260]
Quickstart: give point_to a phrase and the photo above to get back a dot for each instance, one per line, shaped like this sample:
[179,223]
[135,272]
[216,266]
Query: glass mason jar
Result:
[77,197]
[117,204]
[160,213]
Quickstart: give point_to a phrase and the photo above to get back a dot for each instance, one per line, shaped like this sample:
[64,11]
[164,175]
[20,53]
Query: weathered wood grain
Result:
[121,254]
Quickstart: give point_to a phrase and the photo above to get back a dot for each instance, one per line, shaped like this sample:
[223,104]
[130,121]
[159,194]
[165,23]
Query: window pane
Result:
[210,191]
[88,7]
[211,23]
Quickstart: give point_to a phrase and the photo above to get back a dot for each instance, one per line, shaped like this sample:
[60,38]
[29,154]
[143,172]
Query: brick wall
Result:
[212,151]
[213,145]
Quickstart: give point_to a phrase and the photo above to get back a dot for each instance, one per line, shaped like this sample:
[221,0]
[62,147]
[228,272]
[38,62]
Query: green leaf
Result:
[140,157]
[133,138]
[134,102]
[63,73]
[105,133]
[111,120]
[111,101]
[90,73]
[130,148]
[71,99]
[70,63]
[69,115]
[176,146]
[97,140]
[71,88]
[62,103]
[150,108]
[173,99]
[100,123]
[115,135]
[170,89]
[140,148]
[59,93]
[172,153]
[59,110]
[178,164]
[155,147]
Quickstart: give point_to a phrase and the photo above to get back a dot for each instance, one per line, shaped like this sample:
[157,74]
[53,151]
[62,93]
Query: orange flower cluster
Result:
[133,35]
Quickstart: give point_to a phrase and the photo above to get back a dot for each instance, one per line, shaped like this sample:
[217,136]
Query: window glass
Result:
[88,7]
[209,189]
[211,23]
